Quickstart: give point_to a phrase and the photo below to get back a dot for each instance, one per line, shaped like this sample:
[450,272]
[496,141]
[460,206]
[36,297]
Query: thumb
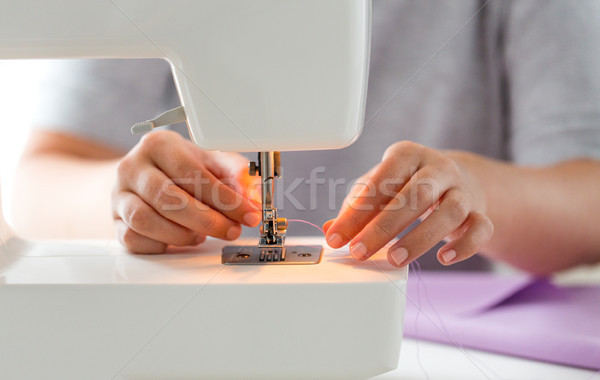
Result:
[250,186]
[327,225]
[232,169]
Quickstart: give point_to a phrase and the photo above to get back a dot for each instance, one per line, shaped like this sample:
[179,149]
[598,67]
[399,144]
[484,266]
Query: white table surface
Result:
[426,360]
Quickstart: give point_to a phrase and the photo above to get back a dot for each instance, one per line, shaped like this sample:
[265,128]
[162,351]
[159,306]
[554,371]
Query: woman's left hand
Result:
[413,182]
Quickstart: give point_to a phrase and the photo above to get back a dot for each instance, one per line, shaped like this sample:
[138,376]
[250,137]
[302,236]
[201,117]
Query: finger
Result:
[232,169]
[479,230]
[452,212]
[400,161]
[431,209]
[327,224]
[135,242]
[222,197]
[184,163]
[144,220]
[177,205]
[338,239]
[422,191]
[368,195]
[357,187]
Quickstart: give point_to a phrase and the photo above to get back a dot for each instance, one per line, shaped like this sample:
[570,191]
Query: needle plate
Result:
[289,255]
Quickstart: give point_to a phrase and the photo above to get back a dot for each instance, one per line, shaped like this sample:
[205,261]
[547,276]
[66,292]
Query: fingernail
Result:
[399,255]
[334,240]
[200,239]
[252,219]
[448,256]
[358,251]
[233,232]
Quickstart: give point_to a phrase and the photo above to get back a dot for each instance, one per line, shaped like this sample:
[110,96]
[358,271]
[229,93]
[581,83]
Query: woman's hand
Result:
[170,192]
[412,182]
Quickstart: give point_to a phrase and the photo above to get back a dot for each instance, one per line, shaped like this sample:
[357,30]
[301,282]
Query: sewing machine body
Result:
[259,75]
[81,309]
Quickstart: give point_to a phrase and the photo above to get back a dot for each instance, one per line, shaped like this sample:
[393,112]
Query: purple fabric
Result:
[517,316]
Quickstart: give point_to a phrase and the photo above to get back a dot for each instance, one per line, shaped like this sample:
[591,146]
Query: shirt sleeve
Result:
[101,99]
[552,60]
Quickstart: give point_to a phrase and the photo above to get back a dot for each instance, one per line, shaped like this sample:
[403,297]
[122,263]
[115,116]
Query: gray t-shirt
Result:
[512,80]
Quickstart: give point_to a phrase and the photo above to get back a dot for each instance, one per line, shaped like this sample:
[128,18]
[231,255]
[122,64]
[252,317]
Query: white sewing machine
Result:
[252,75]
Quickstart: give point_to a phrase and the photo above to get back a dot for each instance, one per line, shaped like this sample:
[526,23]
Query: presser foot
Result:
[277,241]
[288,255]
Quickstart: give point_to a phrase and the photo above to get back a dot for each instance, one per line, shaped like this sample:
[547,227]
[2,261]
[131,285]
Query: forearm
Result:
[545,219]
[64,196]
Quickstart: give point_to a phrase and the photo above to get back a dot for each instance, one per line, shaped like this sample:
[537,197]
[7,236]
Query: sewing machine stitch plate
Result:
[289,255]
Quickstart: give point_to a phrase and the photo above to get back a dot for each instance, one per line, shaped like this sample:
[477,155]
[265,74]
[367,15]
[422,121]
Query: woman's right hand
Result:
[171,192]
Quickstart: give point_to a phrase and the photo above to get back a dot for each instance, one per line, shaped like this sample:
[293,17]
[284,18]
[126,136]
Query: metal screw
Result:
[253,169]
